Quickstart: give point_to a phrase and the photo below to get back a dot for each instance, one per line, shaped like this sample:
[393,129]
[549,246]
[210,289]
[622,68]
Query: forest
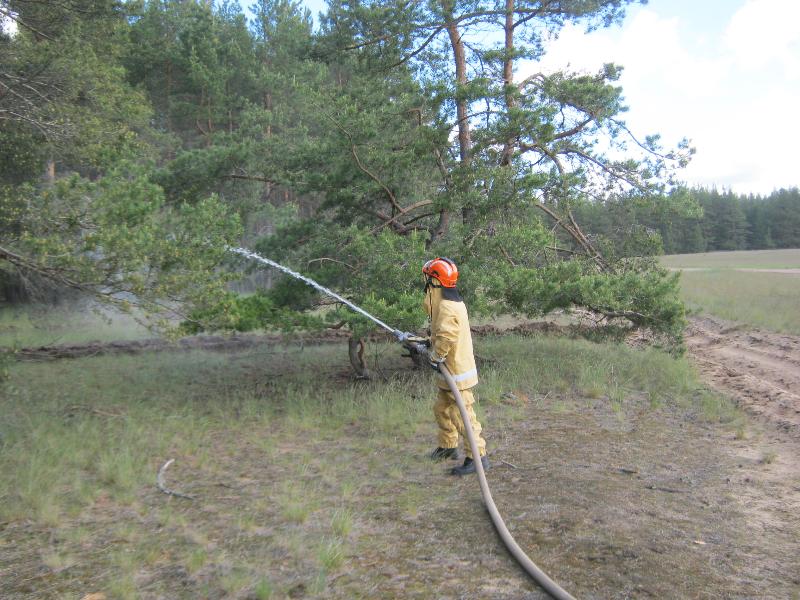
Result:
[139,140]
[720,221]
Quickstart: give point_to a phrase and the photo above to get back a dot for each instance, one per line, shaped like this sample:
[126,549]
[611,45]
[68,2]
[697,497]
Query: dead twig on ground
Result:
[163,487]
[627,471]
[666,489]
[95,411]
[508,464]
[226,485]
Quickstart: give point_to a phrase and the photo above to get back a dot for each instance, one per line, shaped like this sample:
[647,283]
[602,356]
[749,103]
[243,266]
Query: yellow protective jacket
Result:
[451,338]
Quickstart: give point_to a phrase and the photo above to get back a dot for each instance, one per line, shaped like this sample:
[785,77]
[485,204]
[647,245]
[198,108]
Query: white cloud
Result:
[764,33]
[733,94]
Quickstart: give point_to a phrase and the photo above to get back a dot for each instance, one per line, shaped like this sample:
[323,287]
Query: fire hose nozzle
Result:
[412,340]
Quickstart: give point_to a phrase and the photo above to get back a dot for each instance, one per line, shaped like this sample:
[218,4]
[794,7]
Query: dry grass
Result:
[749,259]
[303,483]
[767,300]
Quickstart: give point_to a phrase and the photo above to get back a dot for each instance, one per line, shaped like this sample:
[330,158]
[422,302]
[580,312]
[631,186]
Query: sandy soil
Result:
[760,369]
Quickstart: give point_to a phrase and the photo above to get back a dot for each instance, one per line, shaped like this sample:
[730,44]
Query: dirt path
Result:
[760,369]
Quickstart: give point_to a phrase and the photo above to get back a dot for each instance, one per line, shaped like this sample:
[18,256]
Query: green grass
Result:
[743,259]
[74,429]
[26,326]
[768,300]
[80,435]
[263,590]
[296,504]
[330,554]
[769,458]
[342,522]
[196,560]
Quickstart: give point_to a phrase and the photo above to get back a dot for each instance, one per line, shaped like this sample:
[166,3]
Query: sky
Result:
[723,73]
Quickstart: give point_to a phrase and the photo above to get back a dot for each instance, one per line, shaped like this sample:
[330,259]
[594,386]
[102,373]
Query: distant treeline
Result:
[719,221]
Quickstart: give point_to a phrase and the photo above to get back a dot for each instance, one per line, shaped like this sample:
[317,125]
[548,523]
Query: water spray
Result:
[539,576]
[257,257]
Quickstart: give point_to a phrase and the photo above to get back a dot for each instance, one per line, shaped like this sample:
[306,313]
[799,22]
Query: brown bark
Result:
[50,172]
[268,106]
[355,348]
[508,77]
[441,227]
[464,131]
[168,96]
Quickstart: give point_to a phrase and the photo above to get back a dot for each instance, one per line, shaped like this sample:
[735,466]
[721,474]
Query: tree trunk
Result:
[464,132]
[459,56]
[508,77]
[50,172]
[168,97]
[355,347]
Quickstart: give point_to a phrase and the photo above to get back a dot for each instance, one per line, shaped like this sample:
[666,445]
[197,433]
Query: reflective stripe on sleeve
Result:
[463,376]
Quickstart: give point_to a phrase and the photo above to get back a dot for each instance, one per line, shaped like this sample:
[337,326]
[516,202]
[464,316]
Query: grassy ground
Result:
[750,259]
[26,326]
[767,300]
[310,485]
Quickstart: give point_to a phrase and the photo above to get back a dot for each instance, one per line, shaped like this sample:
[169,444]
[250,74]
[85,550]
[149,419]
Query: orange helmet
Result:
[443,269]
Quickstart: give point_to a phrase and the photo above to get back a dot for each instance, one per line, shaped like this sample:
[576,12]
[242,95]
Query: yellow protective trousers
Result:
[450,423]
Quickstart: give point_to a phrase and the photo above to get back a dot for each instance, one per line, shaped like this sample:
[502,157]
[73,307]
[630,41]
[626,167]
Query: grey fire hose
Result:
[539,576]
[535,572]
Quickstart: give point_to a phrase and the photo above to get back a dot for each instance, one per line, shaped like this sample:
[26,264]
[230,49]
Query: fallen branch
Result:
[509,464]
[627,471]
[163,487]
[95,411]
[666,489]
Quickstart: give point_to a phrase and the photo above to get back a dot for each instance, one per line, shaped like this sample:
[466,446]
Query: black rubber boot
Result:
[469,466]
[444,453]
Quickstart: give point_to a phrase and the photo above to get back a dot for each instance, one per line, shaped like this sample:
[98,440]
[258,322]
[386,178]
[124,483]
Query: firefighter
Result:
[451,344]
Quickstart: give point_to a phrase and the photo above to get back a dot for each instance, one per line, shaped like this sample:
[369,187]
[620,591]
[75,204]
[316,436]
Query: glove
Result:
[434,361]
[413,341]
[402,336]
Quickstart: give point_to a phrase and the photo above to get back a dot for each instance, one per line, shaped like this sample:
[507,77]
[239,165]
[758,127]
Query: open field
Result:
[741,259]
[623,477]
[768,300]
[739,287]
